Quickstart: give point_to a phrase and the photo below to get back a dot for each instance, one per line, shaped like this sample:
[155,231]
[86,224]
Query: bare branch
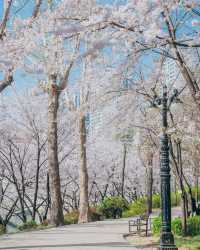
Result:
[5,19]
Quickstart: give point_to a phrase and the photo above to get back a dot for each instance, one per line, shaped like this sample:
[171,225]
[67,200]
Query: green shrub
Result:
[136,208]
[2,229]
[113,207]
[28,225]
[156,225]
[71,217]
[139,206]
[193,225]
[175,199]
[95,214]
[156,201]
[194,191]
[45,223]
[177,226]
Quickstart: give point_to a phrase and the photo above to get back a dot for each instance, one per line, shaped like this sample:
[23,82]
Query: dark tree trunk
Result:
[183,191]
[184,212]
[36,180]
[197,187]
[48,199]
[123,170]
[150,185]
[179,174]
[53,166]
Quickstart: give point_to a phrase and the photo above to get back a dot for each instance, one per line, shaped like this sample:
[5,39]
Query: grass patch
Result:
[33,226]
[151,242]
[192,243]
[29,225]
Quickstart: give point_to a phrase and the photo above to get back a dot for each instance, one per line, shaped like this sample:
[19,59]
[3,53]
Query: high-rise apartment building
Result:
[170,71]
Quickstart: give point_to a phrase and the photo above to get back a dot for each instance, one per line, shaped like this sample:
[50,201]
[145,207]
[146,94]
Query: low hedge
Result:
[2,229]
[135,208]
[156,201]
[176,226]
[28,225]
[175,200]
[96,214]
[194,191]
[72,217]
[193,226]
[156,225]
[113,207]
[139,206]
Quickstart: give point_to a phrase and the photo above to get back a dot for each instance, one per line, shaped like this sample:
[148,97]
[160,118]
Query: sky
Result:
[1,8]
[23,81]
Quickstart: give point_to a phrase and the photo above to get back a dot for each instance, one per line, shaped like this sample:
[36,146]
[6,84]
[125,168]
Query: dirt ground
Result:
[147,243]
[143,242]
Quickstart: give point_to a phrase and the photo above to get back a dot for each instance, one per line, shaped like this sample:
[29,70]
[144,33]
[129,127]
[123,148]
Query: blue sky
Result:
[21,80]
[1,7]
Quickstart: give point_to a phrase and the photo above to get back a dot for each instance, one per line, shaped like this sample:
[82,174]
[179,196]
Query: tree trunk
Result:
[176,191]
[48,198]
[184,212]
[183,191]
[36,180]
[197,188]
[150,185]
[84,200]
[1,188]
[177,162]
[123,170]
[56,210]
[192,201]
[196,176]
[184,206]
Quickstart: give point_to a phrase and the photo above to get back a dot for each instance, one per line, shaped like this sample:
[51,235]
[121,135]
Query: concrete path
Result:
[105,235]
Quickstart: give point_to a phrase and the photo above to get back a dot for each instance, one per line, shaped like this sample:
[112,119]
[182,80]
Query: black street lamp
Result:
[166,238]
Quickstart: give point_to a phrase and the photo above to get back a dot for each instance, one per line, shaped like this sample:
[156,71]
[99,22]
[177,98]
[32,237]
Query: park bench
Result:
[141,224]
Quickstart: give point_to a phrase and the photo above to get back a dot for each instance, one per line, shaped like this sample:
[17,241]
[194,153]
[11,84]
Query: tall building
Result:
[171,71]
[95,121]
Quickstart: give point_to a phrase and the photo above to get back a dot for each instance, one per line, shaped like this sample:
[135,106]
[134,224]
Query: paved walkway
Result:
[105,235]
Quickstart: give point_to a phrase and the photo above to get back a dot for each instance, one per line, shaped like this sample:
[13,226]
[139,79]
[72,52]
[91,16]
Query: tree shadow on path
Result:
[104,244]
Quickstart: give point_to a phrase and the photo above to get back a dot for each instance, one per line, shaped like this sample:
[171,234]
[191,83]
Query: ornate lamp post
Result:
[166,238]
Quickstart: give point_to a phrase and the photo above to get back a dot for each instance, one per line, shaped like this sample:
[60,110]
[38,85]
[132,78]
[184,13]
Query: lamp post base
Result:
[171,247]
[167,242]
